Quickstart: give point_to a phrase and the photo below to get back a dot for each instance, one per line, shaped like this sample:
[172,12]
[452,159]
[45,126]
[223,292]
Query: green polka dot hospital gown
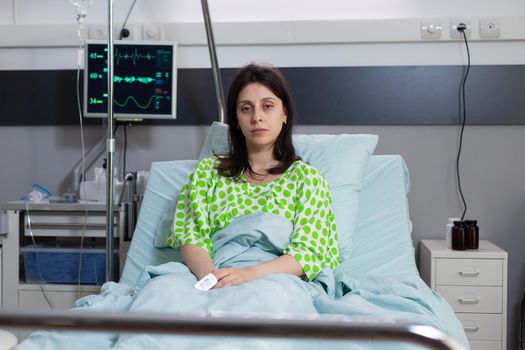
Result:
[301,194]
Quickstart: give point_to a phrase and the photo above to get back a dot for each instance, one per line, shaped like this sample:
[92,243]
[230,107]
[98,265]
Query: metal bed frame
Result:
[326,327]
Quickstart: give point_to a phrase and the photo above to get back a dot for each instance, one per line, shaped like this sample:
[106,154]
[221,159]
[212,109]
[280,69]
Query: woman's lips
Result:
[258,131]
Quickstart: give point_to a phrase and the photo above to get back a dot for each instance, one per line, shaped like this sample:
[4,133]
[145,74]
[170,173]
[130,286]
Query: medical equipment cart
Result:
[49,222]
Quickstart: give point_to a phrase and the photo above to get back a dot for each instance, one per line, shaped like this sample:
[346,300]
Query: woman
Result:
[261,173]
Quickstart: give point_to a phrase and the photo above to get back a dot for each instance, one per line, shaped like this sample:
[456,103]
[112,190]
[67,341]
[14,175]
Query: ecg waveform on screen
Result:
[130,99]
[127,79]
[143,79]
[135,55]
[131,80]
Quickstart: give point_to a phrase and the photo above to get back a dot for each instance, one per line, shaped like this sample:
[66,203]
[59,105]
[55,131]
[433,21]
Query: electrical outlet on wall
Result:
[489,28]
[98,31]
[454,33]
[151,32]
[133,31]
[431,29]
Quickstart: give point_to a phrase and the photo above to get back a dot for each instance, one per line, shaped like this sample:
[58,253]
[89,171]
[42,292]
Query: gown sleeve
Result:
[313,242]
[191,222]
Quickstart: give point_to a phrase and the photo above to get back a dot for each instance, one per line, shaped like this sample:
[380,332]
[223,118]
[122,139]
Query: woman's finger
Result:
[229,280]
[230,277]
[221,273]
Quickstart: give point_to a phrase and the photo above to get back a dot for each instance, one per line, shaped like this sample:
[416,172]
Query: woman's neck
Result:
[261,161]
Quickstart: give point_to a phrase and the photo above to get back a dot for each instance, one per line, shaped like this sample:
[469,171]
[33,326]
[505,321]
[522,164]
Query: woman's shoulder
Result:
[303,168]
[206,168]
[209,163]
[305,172]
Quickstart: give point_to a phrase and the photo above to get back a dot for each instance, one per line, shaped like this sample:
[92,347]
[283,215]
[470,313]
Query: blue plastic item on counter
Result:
[61,265]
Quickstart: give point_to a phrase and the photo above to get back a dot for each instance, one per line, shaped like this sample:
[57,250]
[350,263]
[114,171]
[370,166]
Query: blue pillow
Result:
[342,158]
[216,141]
[165,181]
[179,176]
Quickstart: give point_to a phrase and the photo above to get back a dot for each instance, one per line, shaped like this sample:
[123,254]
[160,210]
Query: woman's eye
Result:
[246,109]
[268,106]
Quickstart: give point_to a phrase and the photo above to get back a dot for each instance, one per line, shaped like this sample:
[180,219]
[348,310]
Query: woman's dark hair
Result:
[233,163]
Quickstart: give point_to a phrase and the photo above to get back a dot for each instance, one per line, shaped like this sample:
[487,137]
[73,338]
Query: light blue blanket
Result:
[246,241]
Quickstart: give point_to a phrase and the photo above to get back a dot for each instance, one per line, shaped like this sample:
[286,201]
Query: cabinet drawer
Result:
[481,326]
[485,345]
[67,224]
[469,272]
[473,299]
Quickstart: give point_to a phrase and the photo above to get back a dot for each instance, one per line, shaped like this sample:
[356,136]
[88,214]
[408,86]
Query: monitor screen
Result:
[144,76]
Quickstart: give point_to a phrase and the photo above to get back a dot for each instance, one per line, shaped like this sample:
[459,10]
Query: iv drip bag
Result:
[81,6]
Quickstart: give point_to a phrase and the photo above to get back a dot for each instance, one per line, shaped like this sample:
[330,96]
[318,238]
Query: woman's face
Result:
[261,116]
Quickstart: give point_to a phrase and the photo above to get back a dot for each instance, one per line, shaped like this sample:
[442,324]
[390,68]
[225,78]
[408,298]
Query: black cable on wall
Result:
[461,28]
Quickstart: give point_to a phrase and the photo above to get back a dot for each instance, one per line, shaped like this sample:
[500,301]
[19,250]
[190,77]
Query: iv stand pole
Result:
[110,150]
[213,58]
[110,142]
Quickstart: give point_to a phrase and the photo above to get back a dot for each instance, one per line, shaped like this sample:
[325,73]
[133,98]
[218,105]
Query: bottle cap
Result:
[459,223]
[471,222]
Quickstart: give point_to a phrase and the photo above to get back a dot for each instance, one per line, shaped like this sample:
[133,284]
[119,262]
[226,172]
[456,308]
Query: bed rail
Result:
[327,327]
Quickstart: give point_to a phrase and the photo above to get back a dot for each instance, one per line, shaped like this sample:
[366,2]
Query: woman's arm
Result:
[313,242]
[191,228]
[234,276]
[197,259]
[190,223]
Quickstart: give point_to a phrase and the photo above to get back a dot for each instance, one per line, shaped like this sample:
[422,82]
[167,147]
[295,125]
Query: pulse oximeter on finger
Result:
[207,282]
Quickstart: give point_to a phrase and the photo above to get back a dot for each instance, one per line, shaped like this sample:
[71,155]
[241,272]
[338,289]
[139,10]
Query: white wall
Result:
[286,33]
[37,11]
[41,34]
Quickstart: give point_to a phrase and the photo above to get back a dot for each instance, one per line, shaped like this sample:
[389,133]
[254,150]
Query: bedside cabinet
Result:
[474,283]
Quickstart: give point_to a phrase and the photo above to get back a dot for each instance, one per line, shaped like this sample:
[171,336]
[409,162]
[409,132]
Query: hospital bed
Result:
[379,292]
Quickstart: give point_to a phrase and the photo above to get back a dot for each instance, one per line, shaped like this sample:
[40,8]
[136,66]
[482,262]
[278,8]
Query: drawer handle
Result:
[471,329]
[66,226]
[468,274]
[468,301]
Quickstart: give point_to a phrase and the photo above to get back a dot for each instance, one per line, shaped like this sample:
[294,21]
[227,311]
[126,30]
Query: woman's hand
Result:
[232,276]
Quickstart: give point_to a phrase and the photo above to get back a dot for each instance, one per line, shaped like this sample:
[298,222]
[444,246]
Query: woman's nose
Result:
[257,115]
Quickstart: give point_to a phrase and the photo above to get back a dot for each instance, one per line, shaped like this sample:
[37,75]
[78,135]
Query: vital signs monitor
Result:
[144,76]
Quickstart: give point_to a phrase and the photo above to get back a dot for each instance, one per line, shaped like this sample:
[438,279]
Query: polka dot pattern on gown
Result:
[301,194]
